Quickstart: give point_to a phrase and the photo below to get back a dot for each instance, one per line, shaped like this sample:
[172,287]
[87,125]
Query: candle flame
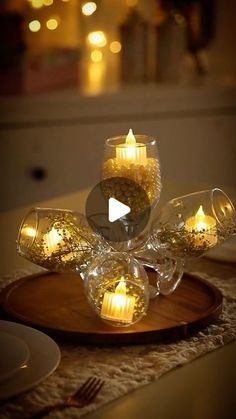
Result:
[121,287]
[200,212]
[200,217]
[130,139]
[131,152]
[204,228]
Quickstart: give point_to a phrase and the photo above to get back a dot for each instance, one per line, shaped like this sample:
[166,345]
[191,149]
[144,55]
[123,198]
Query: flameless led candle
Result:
[118,306]
[51,241]
[204,226]
[131,151]
[135,158]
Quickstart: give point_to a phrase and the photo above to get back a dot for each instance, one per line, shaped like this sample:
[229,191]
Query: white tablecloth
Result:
[124,368]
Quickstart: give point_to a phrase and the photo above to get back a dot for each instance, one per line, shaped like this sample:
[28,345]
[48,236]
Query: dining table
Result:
[190,377]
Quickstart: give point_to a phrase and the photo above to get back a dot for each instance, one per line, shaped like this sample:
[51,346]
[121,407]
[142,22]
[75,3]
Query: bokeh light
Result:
[97,38]
[115,47]
[34,26]
[89,8]
[47,2]
[96,56]
[52,24]
[37,4]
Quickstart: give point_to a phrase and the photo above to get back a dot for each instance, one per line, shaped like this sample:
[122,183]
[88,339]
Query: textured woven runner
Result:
[124,368]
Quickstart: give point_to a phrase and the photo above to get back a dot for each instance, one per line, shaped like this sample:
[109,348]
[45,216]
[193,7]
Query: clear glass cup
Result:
[184,228]
[138,161]
[136,158]
[169,270]
[117,289]
[58,240]
[191,225]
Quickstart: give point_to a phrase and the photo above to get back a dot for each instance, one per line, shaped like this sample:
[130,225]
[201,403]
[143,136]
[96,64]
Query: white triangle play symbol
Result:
[116,210]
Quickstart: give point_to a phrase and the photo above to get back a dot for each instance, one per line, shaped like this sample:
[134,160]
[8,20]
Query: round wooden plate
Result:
[56,303]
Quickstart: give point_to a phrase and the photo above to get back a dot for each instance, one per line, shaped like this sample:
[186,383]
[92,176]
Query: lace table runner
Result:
[124,368]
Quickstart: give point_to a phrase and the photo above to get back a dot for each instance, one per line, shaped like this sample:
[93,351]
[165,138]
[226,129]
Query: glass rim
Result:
[149,140]
[18,240]
[211,192]
[35,211]
[215,190]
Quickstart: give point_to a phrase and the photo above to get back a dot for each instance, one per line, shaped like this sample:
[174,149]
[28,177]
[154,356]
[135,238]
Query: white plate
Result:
[44,359]
[226,252]
[13,354]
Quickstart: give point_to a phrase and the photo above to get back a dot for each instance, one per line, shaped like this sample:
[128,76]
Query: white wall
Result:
[65,135]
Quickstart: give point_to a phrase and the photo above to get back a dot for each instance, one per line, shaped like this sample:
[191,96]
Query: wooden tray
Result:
[56,304]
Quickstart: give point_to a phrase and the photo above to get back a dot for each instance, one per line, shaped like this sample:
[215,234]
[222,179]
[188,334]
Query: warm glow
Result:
[47,2]
[96,77]
[130,139]
[52,24]
[96,56]
[115,47]
[131,152]
[204,227]
[51,240]
[29,231]
[97,38]
[89,8]
[37,4]
[34,26]
[200,217]
[118,306]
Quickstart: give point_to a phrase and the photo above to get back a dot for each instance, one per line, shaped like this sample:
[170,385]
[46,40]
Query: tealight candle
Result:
[51,241]
[118,306]
[204,227]
[131,151]
[133,157]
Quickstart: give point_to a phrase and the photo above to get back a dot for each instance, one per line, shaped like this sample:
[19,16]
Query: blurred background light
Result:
[97,38]
[52,24]
[89,8]
[96,56]
[34,26]
[115,47]
[37,4]
[47,2]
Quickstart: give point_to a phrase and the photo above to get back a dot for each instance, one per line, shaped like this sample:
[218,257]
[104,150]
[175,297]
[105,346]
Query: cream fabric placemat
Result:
[124,368]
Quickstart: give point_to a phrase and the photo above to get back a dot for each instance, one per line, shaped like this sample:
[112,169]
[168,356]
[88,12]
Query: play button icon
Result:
[116,210]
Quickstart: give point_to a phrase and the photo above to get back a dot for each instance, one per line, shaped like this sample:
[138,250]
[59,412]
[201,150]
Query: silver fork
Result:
[82,397]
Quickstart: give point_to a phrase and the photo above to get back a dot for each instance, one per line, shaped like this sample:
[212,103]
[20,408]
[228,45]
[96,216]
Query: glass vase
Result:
[59,240]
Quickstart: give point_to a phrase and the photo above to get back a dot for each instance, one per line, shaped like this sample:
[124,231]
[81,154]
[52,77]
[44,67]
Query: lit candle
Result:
[131,151]
[118,306]
[51,241]
[204,227]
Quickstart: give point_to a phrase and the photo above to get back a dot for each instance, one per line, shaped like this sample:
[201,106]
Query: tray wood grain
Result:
[56,304]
